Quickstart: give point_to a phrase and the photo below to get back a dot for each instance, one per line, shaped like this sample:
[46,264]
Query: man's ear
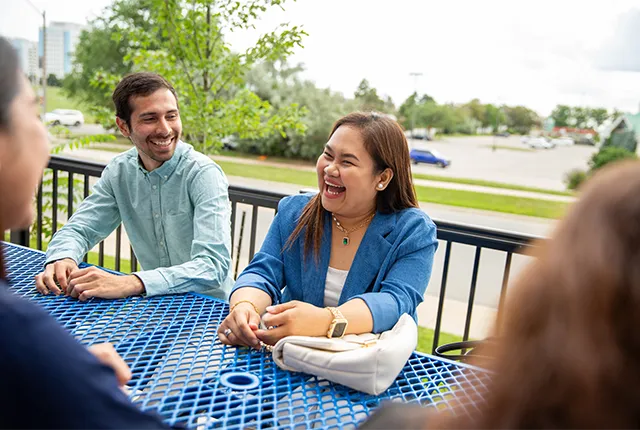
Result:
[124,128]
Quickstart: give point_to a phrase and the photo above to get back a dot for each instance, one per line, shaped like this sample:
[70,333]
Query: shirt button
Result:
[157,215]
[166,177]
[154,187]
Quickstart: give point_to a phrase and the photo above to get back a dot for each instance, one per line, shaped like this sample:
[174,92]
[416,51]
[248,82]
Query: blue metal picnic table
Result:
[182,371]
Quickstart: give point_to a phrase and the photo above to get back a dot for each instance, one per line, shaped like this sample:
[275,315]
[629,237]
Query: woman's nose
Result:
[331,170]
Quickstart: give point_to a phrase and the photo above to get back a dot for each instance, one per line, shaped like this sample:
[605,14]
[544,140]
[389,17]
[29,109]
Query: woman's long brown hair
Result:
[568,354]
[386,143]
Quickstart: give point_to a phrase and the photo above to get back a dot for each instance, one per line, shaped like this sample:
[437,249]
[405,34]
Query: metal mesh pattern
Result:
[182,372]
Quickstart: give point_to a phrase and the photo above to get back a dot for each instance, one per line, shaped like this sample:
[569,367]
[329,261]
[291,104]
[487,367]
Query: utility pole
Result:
[44,56]
[415,76]
[44,63]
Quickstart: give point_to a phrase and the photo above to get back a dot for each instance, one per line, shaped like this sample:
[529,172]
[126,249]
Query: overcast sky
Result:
[536,53]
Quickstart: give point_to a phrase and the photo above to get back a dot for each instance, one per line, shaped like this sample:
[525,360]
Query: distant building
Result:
[62,38]
[28,57]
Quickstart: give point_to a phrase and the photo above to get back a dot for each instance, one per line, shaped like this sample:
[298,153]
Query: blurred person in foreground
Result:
[568,350]
[48,379]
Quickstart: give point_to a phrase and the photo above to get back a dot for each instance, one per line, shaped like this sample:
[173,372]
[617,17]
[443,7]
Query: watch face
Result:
[339,329]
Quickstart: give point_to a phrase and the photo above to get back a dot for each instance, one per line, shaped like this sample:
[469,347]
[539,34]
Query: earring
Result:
[380,186]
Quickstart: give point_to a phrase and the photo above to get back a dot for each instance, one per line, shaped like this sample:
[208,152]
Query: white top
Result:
[333,286]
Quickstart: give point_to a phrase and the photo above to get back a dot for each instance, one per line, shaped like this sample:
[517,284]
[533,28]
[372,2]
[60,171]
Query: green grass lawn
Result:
[425,339]
[491,184]
[56,99]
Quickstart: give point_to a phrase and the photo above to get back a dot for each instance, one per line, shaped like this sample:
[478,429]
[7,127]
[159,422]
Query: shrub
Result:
[574,178]
[609,154]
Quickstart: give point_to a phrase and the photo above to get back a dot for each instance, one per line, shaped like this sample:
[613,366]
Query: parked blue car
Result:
[429,156]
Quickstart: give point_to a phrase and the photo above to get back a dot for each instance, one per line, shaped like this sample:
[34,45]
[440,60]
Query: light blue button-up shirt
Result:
[177,217]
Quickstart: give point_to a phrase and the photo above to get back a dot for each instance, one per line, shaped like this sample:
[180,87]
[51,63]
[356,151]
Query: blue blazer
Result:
[390,270]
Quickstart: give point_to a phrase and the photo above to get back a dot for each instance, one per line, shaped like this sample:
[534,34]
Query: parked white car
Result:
[539,143]
[563,141]
[64,117]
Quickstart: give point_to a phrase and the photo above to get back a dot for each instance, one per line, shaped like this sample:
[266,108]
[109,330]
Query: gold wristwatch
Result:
[338,326]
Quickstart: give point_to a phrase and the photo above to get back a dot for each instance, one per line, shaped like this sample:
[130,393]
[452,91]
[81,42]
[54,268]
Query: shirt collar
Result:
[168,166]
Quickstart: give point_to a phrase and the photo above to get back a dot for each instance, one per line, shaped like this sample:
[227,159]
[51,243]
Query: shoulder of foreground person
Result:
[49,380]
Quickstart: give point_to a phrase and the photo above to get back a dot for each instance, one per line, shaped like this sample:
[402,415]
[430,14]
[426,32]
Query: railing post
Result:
[20,237]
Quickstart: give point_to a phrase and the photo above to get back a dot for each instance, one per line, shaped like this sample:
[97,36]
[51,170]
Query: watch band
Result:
[336,313]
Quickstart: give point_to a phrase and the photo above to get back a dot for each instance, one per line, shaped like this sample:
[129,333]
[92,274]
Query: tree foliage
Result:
[368,100]
[184,40]
[281,84]
[580,117]
[609,154]
[103,46]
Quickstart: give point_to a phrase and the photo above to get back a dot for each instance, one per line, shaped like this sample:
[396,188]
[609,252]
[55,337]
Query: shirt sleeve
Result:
[211,247]
[95,219]
[49,380]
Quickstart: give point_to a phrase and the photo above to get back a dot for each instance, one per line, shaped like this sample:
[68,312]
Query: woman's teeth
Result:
[334,189]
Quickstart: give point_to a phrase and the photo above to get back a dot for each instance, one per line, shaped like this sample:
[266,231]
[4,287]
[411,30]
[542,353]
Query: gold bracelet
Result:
[245,301]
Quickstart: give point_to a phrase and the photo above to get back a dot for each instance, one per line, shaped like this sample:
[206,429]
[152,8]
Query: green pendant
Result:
[345,240]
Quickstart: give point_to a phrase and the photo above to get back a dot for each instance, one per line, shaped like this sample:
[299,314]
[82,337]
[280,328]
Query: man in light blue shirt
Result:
[172,200]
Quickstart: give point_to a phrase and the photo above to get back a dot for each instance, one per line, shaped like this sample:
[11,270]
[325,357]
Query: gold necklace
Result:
[346,232]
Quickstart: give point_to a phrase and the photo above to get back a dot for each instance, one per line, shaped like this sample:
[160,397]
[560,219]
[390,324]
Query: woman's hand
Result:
[294,319]
[239,327]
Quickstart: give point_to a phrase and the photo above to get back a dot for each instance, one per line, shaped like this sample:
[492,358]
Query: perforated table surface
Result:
[183,372]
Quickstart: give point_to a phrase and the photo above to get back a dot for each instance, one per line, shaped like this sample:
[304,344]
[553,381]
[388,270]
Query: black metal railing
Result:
[68,173]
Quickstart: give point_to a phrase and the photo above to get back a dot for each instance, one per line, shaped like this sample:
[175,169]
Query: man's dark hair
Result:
[137,85]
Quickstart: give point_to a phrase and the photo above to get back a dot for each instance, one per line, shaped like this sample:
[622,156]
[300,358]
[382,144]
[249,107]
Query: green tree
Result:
[521,119]
[494,117]
[477,111]
[580,117]
[562,116]
[281,85]
[209,77]
[368,100]
[598,116]
[53,81]
[407,110]
[102,48]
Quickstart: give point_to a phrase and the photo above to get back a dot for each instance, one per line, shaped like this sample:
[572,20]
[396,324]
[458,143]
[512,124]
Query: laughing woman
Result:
[350,259]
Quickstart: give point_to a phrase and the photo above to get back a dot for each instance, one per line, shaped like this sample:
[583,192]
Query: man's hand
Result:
[107,354]
[57,271]
[294,319]
[94,282]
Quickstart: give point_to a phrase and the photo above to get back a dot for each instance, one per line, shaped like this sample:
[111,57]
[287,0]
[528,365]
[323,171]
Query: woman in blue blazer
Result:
[350,259]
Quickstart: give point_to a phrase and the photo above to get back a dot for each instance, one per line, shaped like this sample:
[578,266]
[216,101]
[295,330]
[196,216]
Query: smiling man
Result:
[172,200]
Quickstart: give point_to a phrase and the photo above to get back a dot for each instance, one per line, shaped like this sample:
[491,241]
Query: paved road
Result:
[473,157]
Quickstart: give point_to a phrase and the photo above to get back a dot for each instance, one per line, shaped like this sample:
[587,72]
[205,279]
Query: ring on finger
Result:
[227,332]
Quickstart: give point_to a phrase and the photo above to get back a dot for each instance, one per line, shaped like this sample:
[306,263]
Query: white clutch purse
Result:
[365,362]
